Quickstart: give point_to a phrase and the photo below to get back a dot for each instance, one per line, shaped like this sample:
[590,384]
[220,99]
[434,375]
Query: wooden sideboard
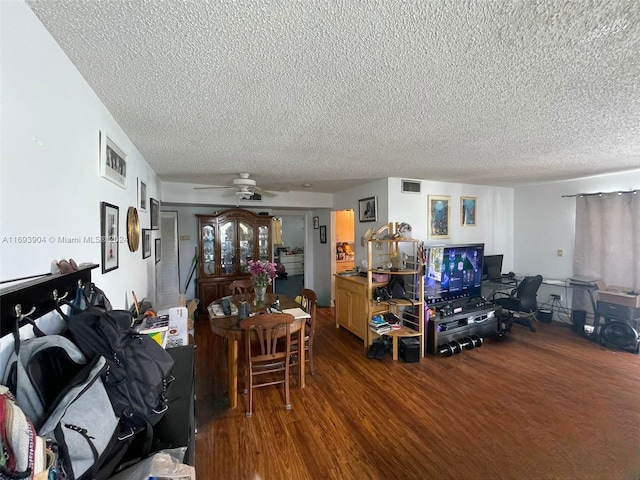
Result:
[353,308]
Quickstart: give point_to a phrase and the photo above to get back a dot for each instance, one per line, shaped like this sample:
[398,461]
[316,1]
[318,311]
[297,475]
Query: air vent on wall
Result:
[410,186]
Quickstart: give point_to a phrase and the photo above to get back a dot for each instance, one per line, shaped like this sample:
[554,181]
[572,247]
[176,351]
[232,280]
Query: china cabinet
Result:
[226,243]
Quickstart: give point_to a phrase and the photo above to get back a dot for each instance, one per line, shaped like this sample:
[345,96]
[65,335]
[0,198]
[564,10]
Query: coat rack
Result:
[38,297]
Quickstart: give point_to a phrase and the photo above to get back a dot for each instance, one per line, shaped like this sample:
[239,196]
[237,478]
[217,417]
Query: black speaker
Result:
[620,335]
[545,316]
[409,349]
[578,319]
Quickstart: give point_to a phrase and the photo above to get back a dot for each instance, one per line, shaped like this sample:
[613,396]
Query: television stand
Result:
[457,320]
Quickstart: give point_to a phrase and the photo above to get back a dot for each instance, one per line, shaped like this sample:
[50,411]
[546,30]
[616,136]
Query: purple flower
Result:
[262,272]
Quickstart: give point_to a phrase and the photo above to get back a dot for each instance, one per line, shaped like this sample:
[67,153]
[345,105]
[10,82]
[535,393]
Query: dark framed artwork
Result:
[368,208]
[109,236]
[146,243]
[316,223]
[142,196]
[439,216]
[157,250]
[468,211]
[323,234]
[155,214]
[113,163]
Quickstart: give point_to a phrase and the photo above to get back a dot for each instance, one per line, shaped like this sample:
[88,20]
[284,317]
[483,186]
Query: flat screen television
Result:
[453,272]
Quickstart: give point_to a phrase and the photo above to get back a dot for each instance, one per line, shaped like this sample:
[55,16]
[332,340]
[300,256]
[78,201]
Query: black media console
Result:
[458,320]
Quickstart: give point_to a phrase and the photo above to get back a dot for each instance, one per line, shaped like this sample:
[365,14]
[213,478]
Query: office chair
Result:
[267,359]
[309,302]
[521,300]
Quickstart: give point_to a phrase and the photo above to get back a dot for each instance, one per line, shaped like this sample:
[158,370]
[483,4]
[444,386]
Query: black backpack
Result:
[139,368]
[396,287]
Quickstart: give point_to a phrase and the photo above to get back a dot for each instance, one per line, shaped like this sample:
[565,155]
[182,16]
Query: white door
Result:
[168,269]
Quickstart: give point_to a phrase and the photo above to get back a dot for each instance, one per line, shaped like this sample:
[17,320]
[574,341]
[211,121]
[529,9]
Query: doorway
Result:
[343,244]
[289,254]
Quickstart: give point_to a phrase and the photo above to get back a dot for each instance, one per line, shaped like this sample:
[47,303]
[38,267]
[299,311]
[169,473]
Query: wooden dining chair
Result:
[309,303]
[241,287]
[267,359]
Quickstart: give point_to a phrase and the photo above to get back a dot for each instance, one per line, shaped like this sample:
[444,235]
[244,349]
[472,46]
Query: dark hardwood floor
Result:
[544,405]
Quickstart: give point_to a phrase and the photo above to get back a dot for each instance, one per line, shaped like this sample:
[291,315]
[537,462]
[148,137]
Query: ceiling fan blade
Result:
[213,186]
[266,193]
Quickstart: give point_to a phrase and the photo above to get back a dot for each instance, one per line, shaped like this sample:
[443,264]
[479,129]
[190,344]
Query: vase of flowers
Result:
[262,274]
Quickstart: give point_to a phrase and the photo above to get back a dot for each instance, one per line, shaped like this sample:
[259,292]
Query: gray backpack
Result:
[62,393]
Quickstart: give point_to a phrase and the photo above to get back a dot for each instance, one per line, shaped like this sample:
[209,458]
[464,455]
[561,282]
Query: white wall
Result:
[50,187]
[494,214]
[293,230]
[545,223]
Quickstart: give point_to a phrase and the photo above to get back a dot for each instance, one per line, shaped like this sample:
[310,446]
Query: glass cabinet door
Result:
[228,248]
[208,252]
[246,246]
[263,242]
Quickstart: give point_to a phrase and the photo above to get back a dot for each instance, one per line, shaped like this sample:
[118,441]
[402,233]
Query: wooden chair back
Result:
[309,303]
[243,287]
[267,359]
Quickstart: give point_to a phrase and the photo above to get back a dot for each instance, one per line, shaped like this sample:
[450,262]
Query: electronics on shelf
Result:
[453,272]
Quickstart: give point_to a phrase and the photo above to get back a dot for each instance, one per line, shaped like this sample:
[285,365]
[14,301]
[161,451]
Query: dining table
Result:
[227,326]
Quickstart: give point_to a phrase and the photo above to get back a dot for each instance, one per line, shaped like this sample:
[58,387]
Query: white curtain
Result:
[607,244]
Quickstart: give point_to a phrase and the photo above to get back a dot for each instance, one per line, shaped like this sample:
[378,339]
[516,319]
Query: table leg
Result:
[395,347]
[301,361]
[232,366]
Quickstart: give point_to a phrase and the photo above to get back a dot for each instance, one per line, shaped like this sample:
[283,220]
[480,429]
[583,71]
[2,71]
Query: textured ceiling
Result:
[335,93]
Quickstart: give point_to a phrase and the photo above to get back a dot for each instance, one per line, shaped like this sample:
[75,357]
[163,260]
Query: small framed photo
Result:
[155,214]
[113,161]
[468,211]
[316,223]
[439,216]
[157,250]
[368,208]
[323,234]
[142,196]
[109,236]
[146,243]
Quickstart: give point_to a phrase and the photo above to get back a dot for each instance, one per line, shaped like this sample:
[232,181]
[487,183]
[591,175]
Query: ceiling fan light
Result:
[244,182]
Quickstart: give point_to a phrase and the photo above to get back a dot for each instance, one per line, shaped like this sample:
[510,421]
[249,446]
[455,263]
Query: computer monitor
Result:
[453,272]
[492,267]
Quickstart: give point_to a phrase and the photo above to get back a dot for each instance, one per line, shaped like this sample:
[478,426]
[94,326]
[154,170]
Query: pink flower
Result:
[262,272]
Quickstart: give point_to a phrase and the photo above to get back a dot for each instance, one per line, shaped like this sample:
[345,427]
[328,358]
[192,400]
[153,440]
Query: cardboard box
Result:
[619,296]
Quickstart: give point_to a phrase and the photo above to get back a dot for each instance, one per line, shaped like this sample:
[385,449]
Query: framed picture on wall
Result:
[155,214]
[316,223]
[142,196]
[439,216]
[368,208]
[323,234]
[157,250]
[146,243]
[468,211]
[113,163]
[109,233]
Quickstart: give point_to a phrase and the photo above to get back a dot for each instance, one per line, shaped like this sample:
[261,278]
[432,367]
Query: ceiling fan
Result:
[246,187]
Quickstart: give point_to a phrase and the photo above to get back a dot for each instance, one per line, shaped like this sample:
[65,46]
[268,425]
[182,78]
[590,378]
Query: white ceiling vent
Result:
[411,186]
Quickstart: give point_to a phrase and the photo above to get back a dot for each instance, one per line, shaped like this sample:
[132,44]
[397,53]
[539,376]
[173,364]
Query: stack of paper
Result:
[297,312]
